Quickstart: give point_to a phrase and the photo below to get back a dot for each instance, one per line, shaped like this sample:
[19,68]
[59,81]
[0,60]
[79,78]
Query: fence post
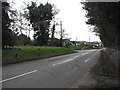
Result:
[16,54]
[38,51]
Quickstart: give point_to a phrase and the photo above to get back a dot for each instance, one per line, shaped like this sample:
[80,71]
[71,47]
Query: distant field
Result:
[26,53]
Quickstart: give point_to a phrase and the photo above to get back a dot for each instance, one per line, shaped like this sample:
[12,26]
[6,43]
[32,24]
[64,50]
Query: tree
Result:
[104,16]
[40,17]
[55,12]
[62,34]
[7,34]
[23,40]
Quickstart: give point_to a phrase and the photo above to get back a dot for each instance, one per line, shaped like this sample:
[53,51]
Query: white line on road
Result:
[70,59]
[63,62]
[76,56]
[18,76]
[84,53]
[87,60]
[81,55]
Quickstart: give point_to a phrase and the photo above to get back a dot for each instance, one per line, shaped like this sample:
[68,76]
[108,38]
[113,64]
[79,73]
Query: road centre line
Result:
[84,53]
[63,62]
[69,59]
[18,76]
[76,56]
[87,60]
[81,55]
[62,56]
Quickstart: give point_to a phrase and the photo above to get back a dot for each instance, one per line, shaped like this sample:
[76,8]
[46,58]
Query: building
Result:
[65,42]
[95,44]
[77,43]
[55,42]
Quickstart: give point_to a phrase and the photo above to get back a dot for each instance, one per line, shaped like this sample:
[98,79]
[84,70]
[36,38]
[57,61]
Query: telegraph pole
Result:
[61,33]
[53,31]
[61,28]
[89,39]
[76,42]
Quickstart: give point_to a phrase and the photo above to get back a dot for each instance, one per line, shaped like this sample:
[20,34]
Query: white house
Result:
[66,41]
[94,43]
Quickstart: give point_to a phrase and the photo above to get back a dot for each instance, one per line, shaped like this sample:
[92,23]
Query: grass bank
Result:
[105,73]
[84,47]
[18,54]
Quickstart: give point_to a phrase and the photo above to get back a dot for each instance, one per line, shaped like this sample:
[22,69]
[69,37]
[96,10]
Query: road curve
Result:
[55,72]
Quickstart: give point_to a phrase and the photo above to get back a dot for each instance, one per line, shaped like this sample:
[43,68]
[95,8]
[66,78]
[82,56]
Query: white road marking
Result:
[70,59]
[84,53]
[18,76]
[87,60]
[81,55]
[76,56]
[63,62]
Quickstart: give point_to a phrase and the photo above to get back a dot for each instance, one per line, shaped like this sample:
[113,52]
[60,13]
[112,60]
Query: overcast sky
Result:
[72,16]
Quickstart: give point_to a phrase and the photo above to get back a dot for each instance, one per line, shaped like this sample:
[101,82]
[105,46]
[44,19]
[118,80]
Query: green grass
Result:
[79,47]
[75,47]
[26,53]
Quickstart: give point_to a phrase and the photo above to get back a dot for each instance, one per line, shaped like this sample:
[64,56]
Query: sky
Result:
[72,16]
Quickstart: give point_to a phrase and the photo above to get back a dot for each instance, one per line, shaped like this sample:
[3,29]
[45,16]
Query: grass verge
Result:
[104,72]
[26,53]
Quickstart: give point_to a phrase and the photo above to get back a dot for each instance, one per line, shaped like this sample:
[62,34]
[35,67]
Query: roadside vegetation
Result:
[24,53]
[105,73]
[104,17]
[84,47]
[18,47]
[18,54]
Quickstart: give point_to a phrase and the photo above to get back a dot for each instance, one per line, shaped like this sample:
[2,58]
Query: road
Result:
[55,72]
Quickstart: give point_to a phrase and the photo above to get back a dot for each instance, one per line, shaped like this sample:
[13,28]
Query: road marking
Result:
[63,62]
[76,56]
[18,76]
[70,59]
[84,53]
[87,60]
[81,54]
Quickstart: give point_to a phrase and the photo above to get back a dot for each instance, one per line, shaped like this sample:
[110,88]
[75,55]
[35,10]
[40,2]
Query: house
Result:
[77,43]
[73,43]
[56,42]
[100,44]
[65,42]
[82,42]
[95,44]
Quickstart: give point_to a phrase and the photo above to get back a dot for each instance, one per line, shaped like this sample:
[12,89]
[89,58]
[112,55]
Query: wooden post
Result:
[16,54]
[38,51]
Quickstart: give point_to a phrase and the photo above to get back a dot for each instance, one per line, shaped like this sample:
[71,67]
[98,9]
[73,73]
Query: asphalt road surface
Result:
[55,72]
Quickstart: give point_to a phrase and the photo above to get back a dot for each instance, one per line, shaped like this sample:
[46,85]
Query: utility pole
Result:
[53,31]
[61,34]
[76,42]
[89,39]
